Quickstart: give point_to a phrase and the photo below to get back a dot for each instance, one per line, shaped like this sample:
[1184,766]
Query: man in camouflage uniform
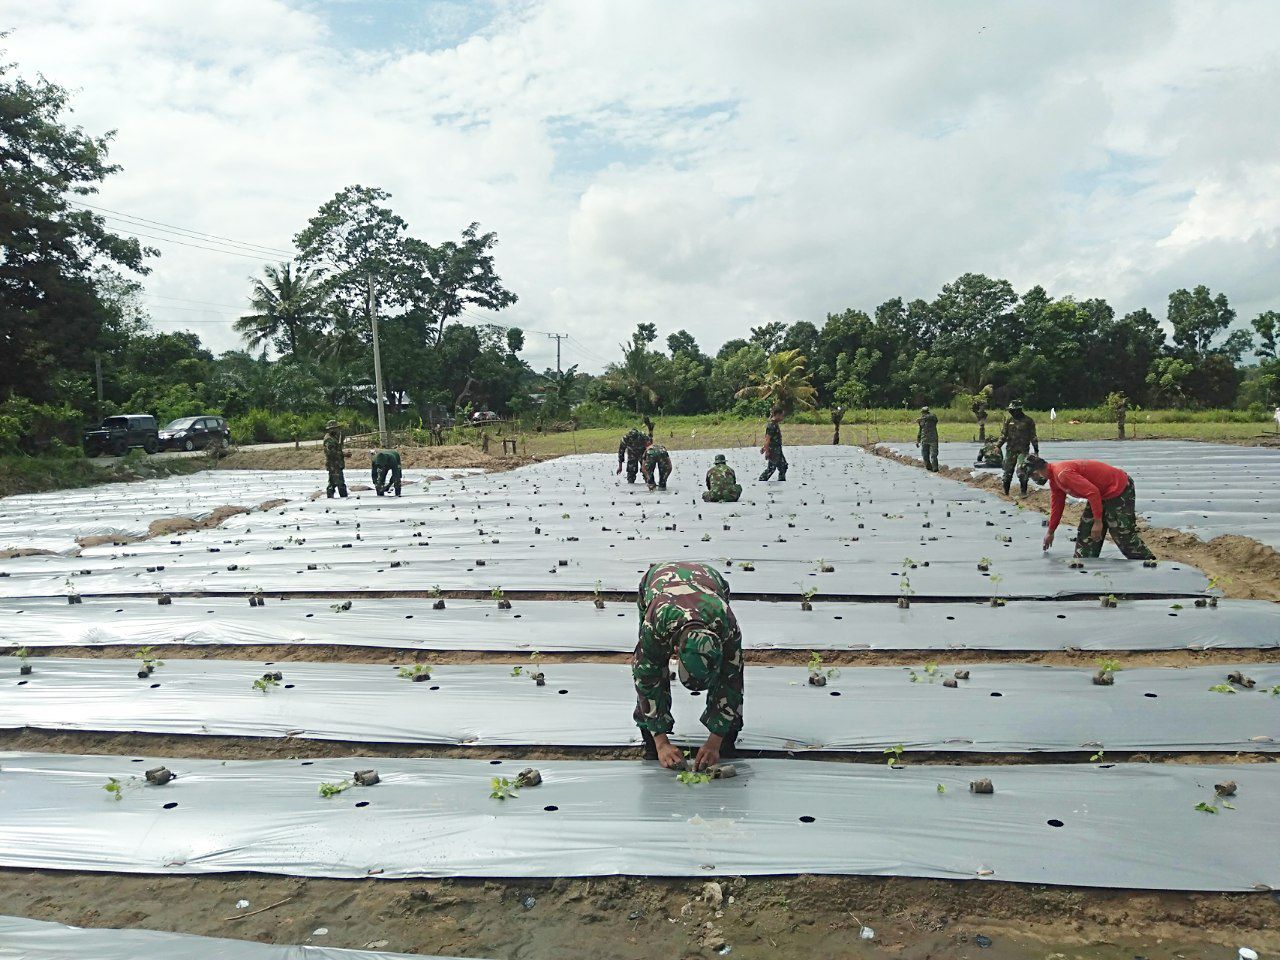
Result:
[685,615]
[334,459]
[989,455]
[1110,505]
[772,448]
[632,449]
[657,461]
[979,408]
[386,471]
[1122,414]
[722,483]
[927,438]
[1018,439]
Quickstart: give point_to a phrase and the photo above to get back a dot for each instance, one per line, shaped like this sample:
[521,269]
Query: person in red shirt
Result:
[1110,504]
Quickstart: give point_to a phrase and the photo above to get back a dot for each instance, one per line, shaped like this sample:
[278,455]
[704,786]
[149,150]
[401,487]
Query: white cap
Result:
[1247,953]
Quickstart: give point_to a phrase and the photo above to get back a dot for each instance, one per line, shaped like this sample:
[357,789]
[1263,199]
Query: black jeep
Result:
[194,433]
[118,434]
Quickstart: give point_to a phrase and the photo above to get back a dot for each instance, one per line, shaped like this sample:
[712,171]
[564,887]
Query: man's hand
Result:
[619,467]
[708,753]
[669,754]
[1097,532]
[1048,541]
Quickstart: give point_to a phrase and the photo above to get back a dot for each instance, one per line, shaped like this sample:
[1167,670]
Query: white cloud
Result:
[707,165]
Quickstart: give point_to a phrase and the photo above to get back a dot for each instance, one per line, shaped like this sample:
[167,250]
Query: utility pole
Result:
[97,369]
[377,366]
[557,337]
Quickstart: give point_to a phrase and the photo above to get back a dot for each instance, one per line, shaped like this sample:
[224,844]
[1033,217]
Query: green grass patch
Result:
[20,474]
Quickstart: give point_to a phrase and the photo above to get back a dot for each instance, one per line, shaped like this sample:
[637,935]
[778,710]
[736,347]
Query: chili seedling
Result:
[894,754]
[500,788]
[149,662]
[691,777]
[819,675]
[1222,688]
[414,672]
[265,683]
[114,787]
[333,789]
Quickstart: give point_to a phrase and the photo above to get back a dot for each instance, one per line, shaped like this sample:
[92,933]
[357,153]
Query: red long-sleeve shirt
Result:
[1090,480]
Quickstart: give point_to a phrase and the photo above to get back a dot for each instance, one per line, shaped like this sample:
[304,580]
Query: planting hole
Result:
[307,763]
[22,683]
[494,762]
[433,688]
[950,618]
[562,691]
[807,819]
[1151,695]
[1054,823]
[170,805]
[835,693]
[837,618]
[996,693]
[309,615]
[154,685]
[137,760]
[551,808]
[1173,614]
[362,803]
[408,616]
[1062,616]
[287,686]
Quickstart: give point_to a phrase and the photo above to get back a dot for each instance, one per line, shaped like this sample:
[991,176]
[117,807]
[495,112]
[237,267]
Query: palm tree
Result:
[784,383]
[288,304]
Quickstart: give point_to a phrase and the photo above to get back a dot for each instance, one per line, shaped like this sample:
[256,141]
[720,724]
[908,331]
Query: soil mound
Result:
[429,458]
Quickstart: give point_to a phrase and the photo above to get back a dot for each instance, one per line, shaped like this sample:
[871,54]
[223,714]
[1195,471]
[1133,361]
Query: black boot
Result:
[329,494]
[650,747]
[1005,484]
[1022,486]
[342,492]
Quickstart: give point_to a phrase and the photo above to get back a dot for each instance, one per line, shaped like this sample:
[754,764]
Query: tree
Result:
[784,383]
[456,275]
[1167,380]
[642,375]
[769,336]
[1197,317]
[288,304]
[1267,326]
[51,315]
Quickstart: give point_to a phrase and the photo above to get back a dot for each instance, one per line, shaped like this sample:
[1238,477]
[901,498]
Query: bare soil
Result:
[415,458]
[638,918]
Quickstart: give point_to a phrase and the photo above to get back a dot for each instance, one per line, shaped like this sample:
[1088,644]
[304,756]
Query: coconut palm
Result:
[784,383]
[288,302]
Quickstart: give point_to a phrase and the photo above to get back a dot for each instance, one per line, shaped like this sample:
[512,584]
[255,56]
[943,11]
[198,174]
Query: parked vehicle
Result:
[485,416]
[193,433]
[118,434]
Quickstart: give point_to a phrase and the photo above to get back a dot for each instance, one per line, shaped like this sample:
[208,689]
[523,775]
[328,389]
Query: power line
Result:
[196,246]
[161,296]
[193,233]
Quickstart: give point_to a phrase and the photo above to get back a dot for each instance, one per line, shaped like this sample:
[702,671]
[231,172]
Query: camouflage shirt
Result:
[927,431]
[721,481]
[1019,435]
[674,596]
[632,445]
[773,438]
[333,455]
[655,455]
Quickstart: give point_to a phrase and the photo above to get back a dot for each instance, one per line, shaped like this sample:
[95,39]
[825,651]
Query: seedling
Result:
[535,669]
[418,673]
[824,567]
[340,607]
[905,593]
[1110,600]
[22,653]
[598,599]
[941,789]
[984,564]
[438,597]
[1178,606]
[1218,583]
[1107,669]
[266,682]
[114,787]
[497,594]
[148,661]
[1275,691]
[500,788]
[996,580]
[819,675]
[1206,807]
[1222,688]
[806,599]
[706,538]
[333,789]
[691,777]
[517,670]
[1099,756]
[748,566]
[894,754]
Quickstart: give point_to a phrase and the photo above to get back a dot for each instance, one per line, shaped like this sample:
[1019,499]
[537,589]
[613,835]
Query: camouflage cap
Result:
[924,409]
[1014,405]
[720,458]
[699,655]
[331,425]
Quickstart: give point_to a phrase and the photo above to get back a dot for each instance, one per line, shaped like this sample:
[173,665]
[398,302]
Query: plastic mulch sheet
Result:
[999,708]
[883,529]
[23,939]
[1053,824]
[564,625]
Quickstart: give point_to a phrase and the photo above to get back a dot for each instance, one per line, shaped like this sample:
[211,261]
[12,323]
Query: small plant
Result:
[535,669]
[1107,669]
[1178,606]
[438,597]
[996,599]
[114,787]
[340,607]
[435,592]
[1222,688]
[333,789]
[1275,691]
[691,777]
[497,594]
[894,754]
[819,675]
[905,593]
[22,653]
[500,788]
[1110,600]
[984,564]
[1219,583]
[941,789]
[419,672]
[148,660]
[806,599]
[265,683]
[598,598]
[824,567]
[1206,807]
[1099,756]
[517,670]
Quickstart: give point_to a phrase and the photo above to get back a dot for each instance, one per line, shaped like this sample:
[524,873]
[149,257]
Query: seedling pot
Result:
[1103,679]
[903,603]
[806,605]
[73,598]
[504,604]
[25,670]
[528,777]
[950,683]
[722,771]
[540,679]
[421,677]
[366,778]
[159,776]
[961,674]
[984,567]
[143,674]
[438,605]
[981,786]
[1240,680]
[599,603]
[1202,603]
[165,601]
[817,680]
[1227,789]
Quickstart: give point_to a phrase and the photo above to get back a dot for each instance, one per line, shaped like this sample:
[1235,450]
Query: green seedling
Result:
[818,674]
[22,653]
[1275,691]
[114,787]
[436,593]
[500,788]
[1108,665]
[333,789]
[340,607]
[415,671]
[517,670]
[564,516]
[265,683]
[1176,606]
[149,662]
[984,563]
[1099,756]
[706,538]
[806,599]
[1211,807]
[1222,688]
[691,777]
[1219,583]
[496,593]
[941,789]
[894,754]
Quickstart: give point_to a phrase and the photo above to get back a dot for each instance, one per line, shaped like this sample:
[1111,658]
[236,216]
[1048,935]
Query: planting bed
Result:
[999,708]
[1204,488]
[436,818]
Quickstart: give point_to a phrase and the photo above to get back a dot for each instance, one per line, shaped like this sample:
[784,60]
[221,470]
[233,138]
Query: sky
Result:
[707,166]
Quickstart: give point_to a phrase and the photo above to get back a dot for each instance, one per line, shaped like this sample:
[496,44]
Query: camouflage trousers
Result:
[656,473]
[1015,461]
[777,461]
[1120,519]
[336,482]
[386,478]
[929,453]
[633,468]
[725,495]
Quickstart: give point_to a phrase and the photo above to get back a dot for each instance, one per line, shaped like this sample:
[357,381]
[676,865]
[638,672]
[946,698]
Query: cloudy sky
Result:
[705,165]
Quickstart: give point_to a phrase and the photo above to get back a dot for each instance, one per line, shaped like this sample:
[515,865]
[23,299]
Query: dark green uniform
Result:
[1122,414]
[990,455]
[1120,519]
[979,409]
[632,448]
[1018,439]
[927,440]
[722,484]
[773,454]
[656,463]
[333,462]
[685,614]
[386,471]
